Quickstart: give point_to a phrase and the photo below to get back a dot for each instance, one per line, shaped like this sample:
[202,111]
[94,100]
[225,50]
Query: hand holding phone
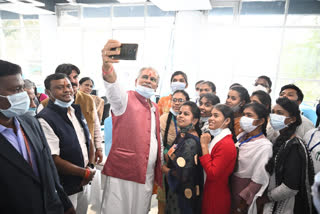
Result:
[127,52]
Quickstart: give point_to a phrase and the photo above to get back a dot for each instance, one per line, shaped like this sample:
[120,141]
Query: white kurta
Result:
[252,158]
[313,144]
[122,196]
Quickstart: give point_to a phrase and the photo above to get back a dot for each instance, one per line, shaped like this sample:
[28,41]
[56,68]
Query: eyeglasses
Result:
[180,100]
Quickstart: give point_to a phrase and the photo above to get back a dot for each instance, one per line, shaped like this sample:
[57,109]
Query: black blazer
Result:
[21,190]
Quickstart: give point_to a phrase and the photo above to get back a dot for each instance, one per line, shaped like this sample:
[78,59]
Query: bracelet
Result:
[87,174]
[108,72]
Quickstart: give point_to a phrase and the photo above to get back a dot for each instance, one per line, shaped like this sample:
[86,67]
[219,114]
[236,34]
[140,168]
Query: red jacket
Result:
[128,157]
[218,166]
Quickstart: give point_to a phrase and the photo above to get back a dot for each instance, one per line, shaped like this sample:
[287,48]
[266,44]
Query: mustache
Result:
[148,85]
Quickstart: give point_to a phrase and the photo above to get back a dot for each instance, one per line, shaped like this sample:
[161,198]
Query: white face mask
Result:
[236,108]
[145,91]
[216,132]
[19,102]
[246,124]
[177,86]
[260,88]
[173,112]
[63,104]
[204,119]
[277,122]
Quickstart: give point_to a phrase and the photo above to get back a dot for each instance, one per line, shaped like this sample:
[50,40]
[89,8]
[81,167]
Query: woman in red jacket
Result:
[218,160]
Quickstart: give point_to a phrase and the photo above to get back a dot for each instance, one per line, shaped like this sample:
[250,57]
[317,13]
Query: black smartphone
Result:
[127,52]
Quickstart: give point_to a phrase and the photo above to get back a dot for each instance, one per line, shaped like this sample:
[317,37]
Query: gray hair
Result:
[28,84]
[149,68]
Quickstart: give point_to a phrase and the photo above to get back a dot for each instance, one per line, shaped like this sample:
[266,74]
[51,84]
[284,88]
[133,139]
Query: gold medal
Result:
[181,162]
[188,193]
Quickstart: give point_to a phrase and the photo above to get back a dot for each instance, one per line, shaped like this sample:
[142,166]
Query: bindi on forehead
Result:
[149,73]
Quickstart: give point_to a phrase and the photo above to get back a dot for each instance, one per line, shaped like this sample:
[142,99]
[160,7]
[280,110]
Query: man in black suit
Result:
[28,179]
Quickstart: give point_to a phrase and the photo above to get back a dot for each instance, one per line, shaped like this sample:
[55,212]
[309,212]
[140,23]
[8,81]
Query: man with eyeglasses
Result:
[263,83]
[134,161]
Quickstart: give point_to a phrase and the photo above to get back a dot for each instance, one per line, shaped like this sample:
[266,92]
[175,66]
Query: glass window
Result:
[221,16]
[262,13]
[125,16]
[300,60]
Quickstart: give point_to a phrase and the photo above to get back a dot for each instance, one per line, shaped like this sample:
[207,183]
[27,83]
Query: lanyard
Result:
[247,140]
[311,140]
[175,124]
[28,147]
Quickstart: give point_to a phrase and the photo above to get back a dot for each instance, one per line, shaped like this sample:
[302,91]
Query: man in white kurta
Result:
[122,196]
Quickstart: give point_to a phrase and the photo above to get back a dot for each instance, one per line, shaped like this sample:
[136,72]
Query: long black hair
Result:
[212,98]
[261,112]
[264,98]
[170,115]
[196,114]
[243,94]
[227,113]
[85,79]
[292,108]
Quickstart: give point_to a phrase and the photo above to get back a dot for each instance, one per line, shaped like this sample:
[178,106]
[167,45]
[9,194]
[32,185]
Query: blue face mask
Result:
[177,86]
[277,122]
[63,104]
[19,104]
[145,91]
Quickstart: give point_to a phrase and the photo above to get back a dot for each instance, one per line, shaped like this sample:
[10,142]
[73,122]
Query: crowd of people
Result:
[204,154]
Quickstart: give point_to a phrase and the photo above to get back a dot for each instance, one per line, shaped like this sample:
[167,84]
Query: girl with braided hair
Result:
[290,167]
[169,130]
[250,179]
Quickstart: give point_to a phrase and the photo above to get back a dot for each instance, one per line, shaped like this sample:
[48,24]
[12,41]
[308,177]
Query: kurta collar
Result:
[219,137]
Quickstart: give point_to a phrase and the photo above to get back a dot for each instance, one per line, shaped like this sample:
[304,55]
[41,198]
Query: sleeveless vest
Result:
[131,131]
[87,106]
[70,149]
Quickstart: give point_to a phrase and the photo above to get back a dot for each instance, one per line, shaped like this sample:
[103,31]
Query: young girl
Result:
[183,170]
[237,97]
[290,167]
[262,98]
[218,160]
[250,179]
[206,103]
[169,131]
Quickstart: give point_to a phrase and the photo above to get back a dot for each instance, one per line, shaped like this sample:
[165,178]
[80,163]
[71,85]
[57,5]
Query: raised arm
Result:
[108,73]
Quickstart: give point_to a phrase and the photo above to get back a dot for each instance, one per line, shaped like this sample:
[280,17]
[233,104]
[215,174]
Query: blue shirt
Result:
[17,141]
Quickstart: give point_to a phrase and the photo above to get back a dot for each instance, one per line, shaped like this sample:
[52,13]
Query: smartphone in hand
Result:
[127,52]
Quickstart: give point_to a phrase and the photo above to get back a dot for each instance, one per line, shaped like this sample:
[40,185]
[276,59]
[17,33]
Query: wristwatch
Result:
[91,165]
